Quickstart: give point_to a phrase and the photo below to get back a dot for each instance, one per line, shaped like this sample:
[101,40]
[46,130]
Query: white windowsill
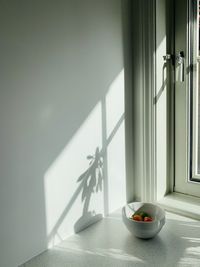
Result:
[182,204]
[108,243]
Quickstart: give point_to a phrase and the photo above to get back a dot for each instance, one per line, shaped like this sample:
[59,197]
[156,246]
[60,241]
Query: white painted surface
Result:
[161,100]
[143,27]
[182,204]
[108,243]
[58,61]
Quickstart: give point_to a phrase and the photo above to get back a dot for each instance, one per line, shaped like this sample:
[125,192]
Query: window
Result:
[187,97]
[195,170]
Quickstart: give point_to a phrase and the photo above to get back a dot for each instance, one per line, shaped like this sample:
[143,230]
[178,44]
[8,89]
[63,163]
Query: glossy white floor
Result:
[108,243]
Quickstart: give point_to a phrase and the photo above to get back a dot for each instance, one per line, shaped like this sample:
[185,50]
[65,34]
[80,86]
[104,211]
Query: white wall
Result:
[61,98]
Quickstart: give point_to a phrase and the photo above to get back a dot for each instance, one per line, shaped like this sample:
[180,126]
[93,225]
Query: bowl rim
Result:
[143,222]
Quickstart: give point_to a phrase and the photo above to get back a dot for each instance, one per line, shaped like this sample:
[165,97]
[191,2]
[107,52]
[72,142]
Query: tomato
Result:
[137,217]
[148,219]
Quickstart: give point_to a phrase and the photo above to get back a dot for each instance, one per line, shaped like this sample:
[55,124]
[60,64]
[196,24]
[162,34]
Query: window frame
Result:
[146,64]
[179,202]
[184,107]
[194,61]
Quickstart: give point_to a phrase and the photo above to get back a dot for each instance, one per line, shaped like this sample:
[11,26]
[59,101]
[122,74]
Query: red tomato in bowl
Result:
[148,219]
[137,217]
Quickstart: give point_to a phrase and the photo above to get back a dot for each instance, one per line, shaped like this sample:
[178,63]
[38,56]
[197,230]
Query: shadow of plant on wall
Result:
[91,181]
[80,191]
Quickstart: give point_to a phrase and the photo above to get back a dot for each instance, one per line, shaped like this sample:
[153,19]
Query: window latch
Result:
[180,67]
[168,58]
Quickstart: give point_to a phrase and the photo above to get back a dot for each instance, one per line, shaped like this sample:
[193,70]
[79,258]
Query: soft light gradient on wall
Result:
[61,85]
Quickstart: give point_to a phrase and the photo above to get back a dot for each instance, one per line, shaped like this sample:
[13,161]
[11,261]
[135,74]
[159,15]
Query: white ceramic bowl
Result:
[142,229]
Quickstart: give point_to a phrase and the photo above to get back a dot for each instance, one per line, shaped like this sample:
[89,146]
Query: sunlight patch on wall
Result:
[116,171]
[115,102]
[161,121]
[64,193]
[87,180]
[116,148]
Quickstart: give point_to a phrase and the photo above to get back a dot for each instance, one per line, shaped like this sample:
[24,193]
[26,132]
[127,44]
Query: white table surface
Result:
[108,243]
